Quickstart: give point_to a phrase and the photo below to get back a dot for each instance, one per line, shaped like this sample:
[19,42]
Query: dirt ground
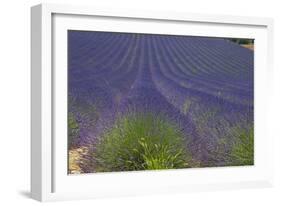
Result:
[249,46]
[75,158]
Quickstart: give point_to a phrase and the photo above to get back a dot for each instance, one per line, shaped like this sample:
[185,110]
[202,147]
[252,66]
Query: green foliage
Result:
[161,156]
[73,129]
[141,142]
[242,41]
[87,111]
[242,152]
[236,149]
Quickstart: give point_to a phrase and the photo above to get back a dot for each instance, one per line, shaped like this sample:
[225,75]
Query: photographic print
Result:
[154,101]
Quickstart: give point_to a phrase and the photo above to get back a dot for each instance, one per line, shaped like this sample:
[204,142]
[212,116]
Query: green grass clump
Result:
[141,142]
[73,129]
[236,149]
[242,152]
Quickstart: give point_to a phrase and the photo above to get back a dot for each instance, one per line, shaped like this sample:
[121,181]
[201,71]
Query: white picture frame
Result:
[49,179]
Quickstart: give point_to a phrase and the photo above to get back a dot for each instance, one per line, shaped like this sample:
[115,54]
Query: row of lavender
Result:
[204,84]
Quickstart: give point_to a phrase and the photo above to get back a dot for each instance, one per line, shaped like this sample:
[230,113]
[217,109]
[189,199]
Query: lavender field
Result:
[145,101]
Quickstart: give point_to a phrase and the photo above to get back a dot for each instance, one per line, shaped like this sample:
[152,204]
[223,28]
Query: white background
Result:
[15,102]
